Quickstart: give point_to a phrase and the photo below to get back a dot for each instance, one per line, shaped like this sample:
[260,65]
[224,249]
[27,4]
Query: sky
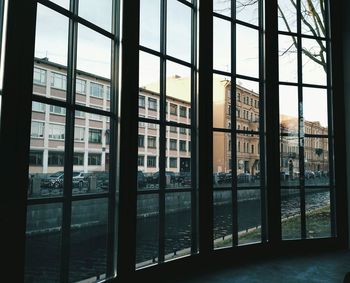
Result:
[94,49]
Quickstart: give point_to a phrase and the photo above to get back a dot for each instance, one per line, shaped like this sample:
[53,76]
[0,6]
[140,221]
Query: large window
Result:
[59,81]
[39,76]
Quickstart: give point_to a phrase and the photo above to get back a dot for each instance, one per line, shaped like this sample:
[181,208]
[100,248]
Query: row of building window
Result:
[56,158]
[248,100]
[152,161]
[244,114]
[59,81]
[152,143]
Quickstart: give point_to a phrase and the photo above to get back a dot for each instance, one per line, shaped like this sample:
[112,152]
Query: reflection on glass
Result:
[147,230]
[247,51]
[248,160]
[289,161]
[318,213]
[287,15]
[315,109]
[148,156]
[97,12]
[222,219]
[178,158]
[179,30]
[149,72]
[221,102]
[222,7]
[288,108]
[88,241]
[44,224]
[288,63]
[150,24]
[316,159]
[178,224]
[93,58]
[222,45]
[313,14]
[178,84]
[290,212]
[248,11]
[46,155]
[249,216]
[314,62]
[222,160]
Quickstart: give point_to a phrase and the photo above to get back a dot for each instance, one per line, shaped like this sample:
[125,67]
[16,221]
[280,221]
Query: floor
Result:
[327,268]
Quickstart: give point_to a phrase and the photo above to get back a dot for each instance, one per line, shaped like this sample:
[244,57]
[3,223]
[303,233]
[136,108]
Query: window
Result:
[173,109]
[37,130]
[182,145]
[78,158]
[94,116]
[35,158]
[173,144]
[252,149]
[152,104]
[151,142]
[142,101]
[58,81]
[56,158]
[151,161]
[183,111]
[141,141]
[79,114]
[79,134]
[80,86]
[173,129]
[94,159]
[56,132]
[38,107]
[173,162]
[95,136]
[39,76]
[108,92]
[183,131]
[96,90]
[141,160]
[57,110]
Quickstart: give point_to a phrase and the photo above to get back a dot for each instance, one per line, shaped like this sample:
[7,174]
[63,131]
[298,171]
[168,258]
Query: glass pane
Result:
[95,59]
[178,228]
[63,3]
[289,170]
[314,60]
[97,12]
[248,11]
[43,233]
[148,156]
[88,240]
[313,14]
[178,158]
[179,30]
[247,105]
[46,156]
[249,216]
[222,219]
[147,230]
[247,51]
[222,45]
[222,162]
[290,210]
[315,110]
[150,24]
[318,213]
[248,160]
[288,61]
[316,161]
[222,7]
[221,102]
[288,106]
[287,15]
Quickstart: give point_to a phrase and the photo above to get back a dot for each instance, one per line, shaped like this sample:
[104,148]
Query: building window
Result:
[79,114]
[141,160]
[142,101]
[182,145]
[173,162]
[183,131]
[80,86]
[38,107]
[152,104]
[56,158]
[59,81]
[79,134]
[39,76]
[95,136]
[78,158]
[151,161]
[108,92]
[173,129]
[189,146]
[37,129]
[252,148]
[96,90]
[96,117]
[173,109]
[56,132]
[94,159]
[183,111]
[173,144]
[57,110]
[141,141]
[35,158]
[151,142]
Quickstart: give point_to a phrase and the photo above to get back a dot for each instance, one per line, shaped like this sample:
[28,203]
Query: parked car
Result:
[184,178]
[244,178]
[80,180]
[54,180]
[141,179]
[309,174]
